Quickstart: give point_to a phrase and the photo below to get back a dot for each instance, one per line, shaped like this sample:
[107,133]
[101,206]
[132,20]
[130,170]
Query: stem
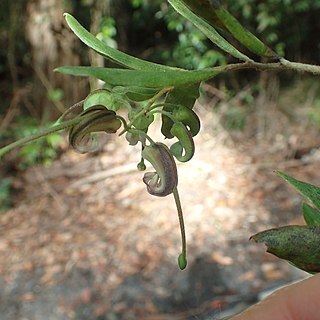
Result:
[45,132]
[283,64]
[156,96]
[164,104]
[147,107]
[182,260]
[301,66]
[142,133]
[168,114]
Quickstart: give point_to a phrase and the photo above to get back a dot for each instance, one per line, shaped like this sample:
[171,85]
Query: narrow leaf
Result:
[311,215]
[208,30]
[215,14]
[115,55]
[204,9]
[249,40]
[136,93]
[149,79]
[311,192]
[300,245]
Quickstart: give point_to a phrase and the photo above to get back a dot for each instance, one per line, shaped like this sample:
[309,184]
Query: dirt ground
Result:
[86,241]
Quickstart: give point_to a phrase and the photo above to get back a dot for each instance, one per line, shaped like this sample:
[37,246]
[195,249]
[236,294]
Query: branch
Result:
[62,126]
[283,64]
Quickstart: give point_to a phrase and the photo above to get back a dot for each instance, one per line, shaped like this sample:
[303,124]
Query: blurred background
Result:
[80,238]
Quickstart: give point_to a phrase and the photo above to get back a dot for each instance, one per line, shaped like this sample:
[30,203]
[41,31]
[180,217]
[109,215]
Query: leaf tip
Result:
[254,238]
[283,175]
[58,69]
[279,173]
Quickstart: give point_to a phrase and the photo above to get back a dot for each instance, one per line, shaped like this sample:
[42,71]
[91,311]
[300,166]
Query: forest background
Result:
[36,40]
[253,123]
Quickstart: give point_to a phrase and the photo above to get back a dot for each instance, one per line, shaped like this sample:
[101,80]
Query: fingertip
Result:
[295,302]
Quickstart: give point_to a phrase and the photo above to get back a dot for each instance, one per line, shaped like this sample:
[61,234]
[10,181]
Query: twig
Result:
[283,64]
[40,134]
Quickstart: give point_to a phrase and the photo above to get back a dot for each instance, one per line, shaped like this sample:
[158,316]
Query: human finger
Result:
[295,302]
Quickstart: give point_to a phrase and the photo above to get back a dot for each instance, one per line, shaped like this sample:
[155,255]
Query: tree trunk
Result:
[52,44]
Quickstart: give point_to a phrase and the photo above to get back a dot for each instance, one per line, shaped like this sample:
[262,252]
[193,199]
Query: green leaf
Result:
[142,78]
[204,9]
[300,245]
[311,215]
[215,14]
[249,40]
[184,95]
[208,30]
[113,54]
[311,192]
[143,122]
[110,100]
[137,94]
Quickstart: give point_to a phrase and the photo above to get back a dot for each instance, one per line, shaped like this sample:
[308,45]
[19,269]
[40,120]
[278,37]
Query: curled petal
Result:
[96,119]
[151,179]
[184,149]
[165,179]
[189,118]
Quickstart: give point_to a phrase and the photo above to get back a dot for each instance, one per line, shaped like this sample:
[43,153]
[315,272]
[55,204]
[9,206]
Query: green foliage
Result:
[208,30]
[191,51]
[181,44]
[300,245]
[271,18]
[311,215]
[143,88]
[42,151]
[142,78]
[216,15]
[311,192]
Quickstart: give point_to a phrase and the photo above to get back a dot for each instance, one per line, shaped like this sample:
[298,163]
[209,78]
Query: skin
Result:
[299,301]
